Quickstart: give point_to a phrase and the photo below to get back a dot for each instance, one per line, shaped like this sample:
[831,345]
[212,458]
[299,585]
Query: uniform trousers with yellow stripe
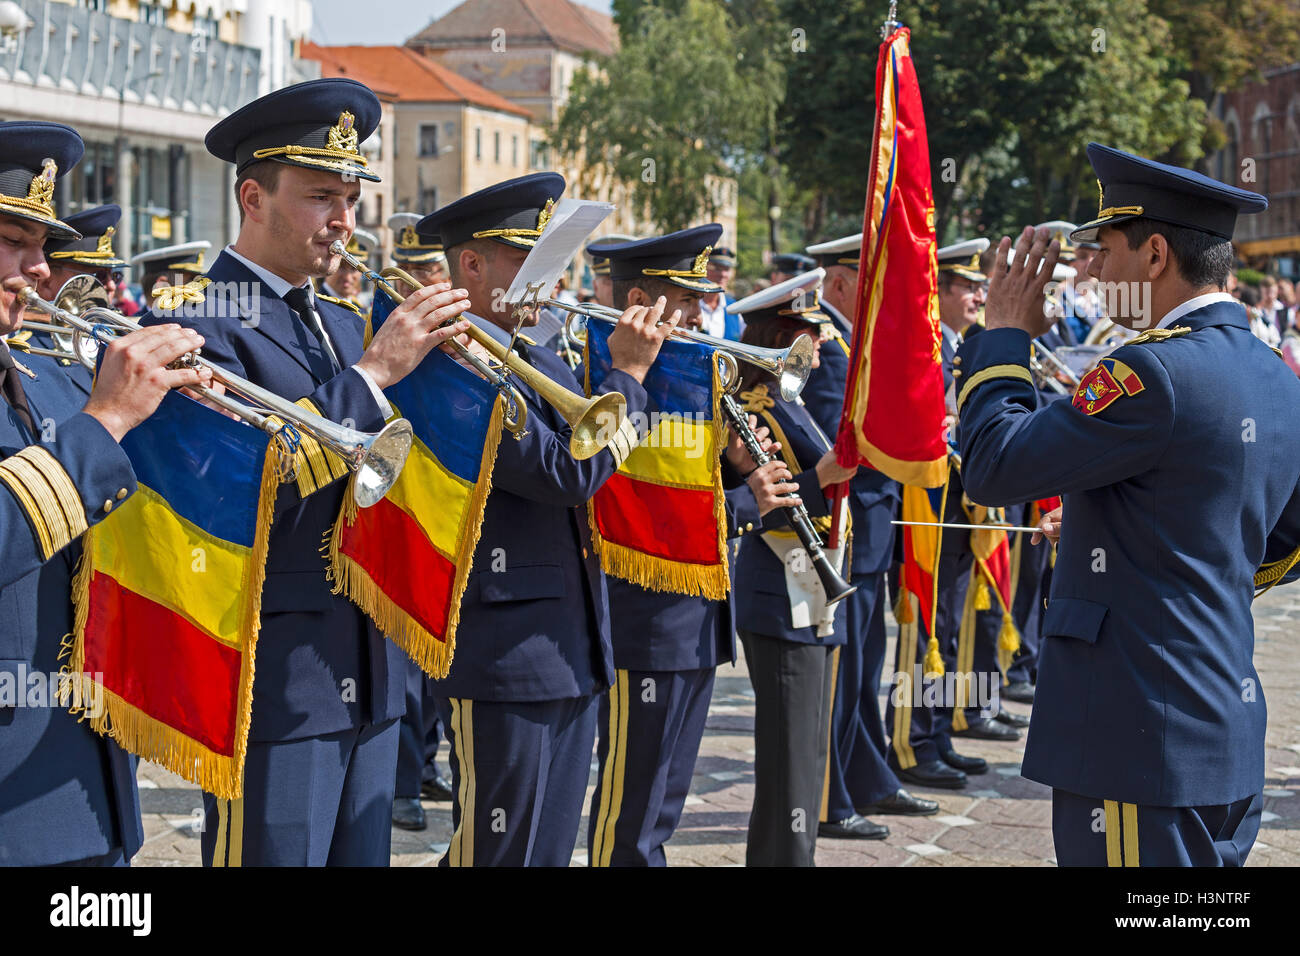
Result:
[519,774]
[651,726]
[318,801]
[1090,831]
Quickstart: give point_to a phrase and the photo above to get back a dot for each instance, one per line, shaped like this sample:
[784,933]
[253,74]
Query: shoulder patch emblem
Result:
[1101,387]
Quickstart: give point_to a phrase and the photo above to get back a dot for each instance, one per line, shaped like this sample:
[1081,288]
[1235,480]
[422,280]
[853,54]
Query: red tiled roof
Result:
[404,75]
[562,23]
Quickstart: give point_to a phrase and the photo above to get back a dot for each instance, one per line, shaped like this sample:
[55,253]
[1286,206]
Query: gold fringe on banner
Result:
[145,736]
[432,654]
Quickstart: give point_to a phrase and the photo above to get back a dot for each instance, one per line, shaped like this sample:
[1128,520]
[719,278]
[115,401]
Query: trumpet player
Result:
[667,646]
[328,691]
[519,704]
[67,794]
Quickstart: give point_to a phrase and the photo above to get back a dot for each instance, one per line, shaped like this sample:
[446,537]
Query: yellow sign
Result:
[161,227]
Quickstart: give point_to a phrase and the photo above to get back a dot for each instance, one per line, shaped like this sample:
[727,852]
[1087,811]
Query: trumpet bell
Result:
[796,367]
[597,425]
[379,459]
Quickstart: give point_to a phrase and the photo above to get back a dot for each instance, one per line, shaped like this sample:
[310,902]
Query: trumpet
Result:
[1050,370]
[376,459]
[791,365]
[594,422]
[68,344]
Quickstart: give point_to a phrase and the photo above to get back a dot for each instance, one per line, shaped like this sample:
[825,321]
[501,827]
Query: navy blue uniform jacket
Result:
[1175,494]
[66,793]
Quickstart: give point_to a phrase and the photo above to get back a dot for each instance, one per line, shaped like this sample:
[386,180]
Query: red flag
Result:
[893,405]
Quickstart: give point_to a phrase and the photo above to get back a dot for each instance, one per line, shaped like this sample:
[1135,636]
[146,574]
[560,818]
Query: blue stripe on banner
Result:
[449,407]
[680,382]
[208,467]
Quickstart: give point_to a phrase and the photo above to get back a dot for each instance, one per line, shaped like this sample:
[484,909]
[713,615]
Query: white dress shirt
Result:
[280,286]
[1191,305]
[715,319]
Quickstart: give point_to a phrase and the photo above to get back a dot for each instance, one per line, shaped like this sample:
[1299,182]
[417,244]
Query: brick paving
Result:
[1001,819]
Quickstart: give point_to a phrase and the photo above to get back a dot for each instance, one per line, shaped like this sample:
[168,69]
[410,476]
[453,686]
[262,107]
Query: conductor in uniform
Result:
[67,795]
[328,690]
[519,703]
[1179,463]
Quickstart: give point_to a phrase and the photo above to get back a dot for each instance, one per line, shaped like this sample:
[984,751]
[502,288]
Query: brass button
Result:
[956,360]
[956,373]
[108,505]
[584,554]
[121,493]
[1044,604]
[749,526]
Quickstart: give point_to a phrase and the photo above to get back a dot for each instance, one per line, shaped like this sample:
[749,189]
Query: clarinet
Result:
[836,588]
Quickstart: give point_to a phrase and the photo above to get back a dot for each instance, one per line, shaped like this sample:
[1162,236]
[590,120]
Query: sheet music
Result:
[572,222]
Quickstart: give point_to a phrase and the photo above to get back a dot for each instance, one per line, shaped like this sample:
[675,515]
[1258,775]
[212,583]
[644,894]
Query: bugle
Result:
[791,365]
[594,422]
[376,459]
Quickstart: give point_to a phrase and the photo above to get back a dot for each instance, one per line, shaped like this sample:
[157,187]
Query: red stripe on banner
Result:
[919,581]
[142,651]
[398,556]
[676,524]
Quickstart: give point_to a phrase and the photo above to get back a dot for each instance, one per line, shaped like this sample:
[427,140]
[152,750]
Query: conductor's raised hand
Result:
[1015,298]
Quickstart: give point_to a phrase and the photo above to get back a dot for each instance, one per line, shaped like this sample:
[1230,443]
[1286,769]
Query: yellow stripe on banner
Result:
[1113,857]
[678,453]
[830,736]
[236,832]
[461,850]
[617,759]
[151,550]
[434,498]
[1130,834]
[219,850]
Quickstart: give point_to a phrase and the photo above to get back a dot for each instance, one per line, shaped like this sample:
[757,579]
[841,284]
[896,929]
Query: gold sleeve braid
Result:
[46,493]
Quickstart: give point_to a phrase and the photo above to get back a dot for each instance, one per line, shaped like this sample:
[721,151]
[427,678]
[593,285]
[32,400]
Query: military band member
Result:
[533,654]
[91,255]
[422,256]
[715,319]
[1179,463]
[345,283]
[328,690]
[602,286]
[67,794]
[169,267]
[667,646]
[787,265]
[790,660]
[858,777]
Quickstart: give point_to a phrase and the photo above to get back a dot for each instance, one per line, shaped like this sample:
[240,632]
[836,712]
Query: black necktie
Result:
[11,384]
[300,301]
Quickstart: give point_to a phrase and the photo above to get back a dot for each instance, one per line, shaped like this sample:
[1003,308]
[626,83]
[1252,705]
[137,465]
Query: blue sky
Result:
[336,22]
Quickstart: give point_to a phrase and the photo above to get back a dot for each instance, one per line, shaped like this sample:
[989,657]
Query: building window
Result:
[100,5]
[153,15]
[514,150]
[478,142]
[539,154]
[429,200]
[428,139]
[496,147]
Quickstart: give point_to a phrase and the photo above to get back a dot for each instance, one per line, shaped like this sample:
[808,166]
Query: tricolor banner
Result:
[920,569]
[893,404]
[992,551]
[405,560]
[660,520]
[169,591]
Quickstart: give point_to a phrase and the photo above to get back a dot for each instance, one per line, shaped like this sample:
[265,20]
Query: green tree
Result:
[679,107]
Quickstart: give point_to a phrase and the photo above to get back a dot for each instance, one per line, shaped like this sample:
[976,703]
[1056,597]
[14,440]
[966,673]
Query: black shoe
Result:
[1012,719]
[903,804]
[936,773]
[408,814]
[986,728]
[1021,691]
[436,787]
[971,765]
[856,827]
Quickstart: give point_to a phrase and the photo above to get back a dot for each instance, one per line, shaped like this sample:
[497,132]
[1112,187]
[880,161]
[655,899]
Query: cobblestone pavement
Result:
[1000,819]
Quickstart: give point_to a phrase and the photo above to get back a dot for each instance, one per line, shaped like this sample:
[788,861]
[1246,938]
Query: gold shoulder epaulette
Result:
[1159,335]
[757,399]
[343,302]
[171,297]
